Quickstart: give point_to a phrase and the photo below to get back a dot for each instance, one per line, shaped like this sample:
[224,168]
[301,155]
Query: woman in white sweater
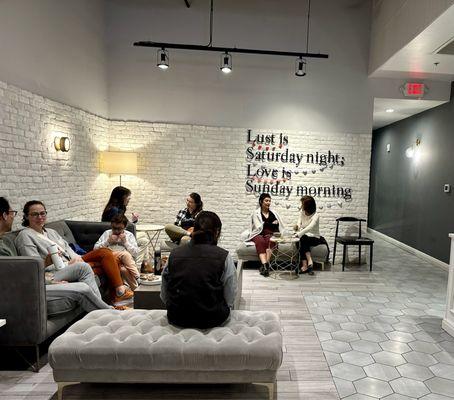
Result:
[308,232]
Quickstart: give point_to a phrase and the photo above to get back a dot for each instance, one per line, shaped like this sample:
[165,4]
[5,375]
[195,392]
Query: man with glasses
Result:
[7,215]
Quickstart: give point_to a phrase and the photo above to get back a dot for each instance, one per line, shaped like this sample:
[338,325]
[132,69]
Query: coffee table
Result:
[284,259]
[147,297]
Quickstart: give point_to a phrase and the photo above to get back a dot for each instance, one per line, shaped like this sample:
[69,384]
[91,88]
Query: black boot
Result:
[264,270]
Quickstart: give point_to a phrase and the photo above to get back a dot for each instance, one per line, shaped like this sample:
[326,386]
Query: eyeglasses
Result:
[38,214]
[14,212]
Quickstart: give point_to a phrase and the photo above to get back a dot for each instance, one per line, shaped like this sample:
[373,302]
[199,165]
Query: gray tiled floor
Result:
[368,335]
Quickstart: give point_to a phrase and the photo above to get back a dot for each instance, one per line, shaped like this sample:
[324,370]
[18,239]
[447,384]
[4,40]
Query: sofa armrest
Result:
[23,303]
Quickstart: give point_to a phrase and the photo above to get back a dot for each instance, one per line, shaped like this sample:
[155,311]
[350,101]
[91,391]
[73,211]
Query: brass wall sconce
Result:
[62,143]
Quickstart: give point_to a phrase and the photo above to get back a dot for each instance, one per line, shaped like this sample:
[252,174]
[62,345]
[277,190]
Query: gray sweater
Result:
[31,243]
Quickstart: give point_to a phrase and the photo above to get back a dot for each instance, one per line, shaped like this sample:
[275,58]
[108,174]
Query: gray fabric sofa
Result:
[30,318]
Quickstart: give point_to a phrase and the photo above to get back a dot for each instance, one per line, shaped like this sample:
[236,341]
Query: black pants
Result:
[305,244]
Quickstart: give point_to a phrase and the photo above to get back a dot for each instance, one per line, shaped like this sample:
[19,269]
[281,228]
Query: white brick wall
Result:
[174,160]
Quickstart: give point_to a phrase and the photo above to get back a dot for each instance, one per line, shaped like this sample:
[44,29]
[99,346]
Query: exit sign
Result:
[413,89]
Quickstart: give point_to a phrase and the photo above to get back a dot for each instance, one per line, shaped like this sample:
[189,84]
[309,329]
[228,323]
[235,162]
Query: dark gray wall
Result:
[406,199]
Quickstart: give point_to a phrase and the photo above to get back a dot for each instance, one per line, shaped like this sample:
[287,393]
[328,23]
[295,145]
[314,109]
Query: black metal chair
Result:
[352,240]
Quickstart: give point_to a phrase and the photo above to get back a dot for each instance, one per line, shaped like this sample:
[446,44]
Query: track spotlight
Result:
[226,63]
[163,59]
[300,67]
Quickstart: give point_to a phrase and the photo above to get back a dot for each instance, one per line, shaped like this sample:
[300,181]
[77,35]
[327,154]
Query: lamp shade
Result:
[116,162]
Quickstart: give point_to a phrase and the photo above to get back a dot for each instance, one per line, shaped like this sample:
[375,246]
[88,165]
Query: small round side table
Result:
[284,259]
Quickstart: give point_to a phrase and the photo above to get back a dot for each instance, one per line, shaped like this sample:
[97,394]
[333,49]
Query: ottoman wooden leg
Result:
[270,386]
[61,385]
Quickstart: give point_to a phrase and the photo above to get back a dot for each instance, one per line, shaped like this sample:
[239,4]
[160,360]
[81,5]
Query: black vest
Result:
[195,292]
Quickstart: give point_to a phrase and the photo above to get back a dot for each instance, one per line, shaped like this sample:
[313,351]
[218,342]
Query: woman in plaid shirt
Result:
[181,229]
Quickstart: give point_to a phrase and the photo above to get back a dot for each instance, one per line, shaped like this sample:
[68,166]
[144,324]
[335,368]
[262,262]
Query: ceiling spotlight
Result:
[163,59]
[300,67]
[389,110]
[226,63]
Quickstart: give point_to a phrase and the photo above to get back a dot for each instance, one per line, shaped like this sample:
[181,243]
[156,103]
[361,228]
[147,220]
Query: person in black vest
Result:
[199,281]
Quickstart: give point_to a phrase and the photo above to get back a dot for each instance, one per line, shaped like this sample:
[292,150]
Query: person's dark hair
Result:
[262,197]
[198,202]
[308,204]
[207,228]
[116,200]
[4,205]
[26,210]
[119,219]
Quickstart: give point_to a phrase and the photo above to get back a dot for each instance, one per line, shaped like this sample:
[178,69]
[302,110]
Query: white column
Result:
[448,321]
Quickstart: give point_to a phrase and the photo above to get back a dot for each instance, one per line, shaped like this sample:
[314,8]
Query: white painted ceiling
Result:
[403,108]
[425,57]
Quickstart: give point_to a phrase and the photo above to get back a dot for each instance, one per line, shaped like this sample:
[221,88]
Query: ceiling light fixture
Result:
[389,110]
[163,59]
[300,67]
[226,63]
[163,55]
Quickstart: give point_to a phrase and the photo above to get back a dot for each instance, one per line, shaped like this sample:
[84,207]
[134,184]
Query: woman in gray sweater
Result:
[35,239]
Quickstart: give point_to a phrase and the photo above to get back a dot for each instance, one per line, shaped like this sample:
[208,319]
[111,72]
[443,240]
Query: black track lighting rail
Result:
[196,47]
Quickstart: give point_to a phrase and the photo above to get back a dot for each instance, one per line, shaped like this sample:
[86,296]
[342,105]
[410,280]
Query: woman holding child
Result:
[35,239]
[264,223]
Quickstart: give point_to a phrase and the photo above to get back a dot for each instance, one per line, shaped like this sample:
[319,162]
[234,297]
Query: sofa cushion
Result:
[59,305]
[63,229]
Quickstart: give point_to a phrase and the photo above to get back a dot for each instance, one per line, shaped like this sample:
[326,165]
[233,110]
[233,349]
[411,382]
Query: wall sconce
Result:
[411,151]
[118,163]
[62,143]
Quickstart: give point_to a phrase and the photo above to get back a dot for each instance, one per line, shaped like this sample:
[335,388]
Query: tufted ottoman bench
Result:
[141,346]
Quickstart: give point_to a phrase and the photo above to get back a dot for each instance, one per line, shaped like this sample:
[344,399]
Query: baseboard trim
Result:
[448,326]
[410,249]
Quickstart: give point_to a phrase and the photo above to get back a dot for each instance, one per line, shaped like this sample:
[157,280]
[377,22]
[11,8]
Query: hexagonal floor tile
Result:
[365,346]
[378,299]
[409,387]
[443,371]
[426,337]
[322,336]
[357,358]
[397,396]
[353,326]
[434,396]
[348,372]
[362,319]
[386,319]
[414,371]
[373,387]
[444,357]
[327,326]
[413,312]
[401,336]
[405,327]
[388,358]
[441,386]
[346,311]
[390,311]
[344,388]
[335,346]
[381,371]
[395,347]
[424,359]
[424,347]
[336,318]
[380,327]
[373,336]
[345,336]
[448,345]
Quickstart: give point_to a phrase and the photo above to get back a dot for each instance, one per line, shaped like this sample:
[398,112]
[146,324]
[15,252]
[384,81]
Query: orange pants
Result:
[104,262]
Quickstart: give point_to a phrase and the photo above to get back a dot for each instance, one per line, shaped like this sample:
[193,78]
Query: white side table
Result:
[2,322]
[153,231]
[284,259]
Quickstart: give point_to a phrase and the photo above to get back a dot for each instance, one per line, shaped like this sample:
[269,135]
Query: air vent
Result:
[447,48]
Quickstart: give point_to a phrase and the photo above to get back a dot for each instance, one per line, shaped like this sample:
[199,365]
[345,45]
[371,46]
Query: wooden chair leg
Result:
[343,257]
[371,253]
[359,254]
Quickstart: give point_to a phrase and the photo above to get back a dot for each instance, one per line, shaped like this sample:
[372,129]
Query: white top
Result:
[2,322]
[149,227]
[308,224]
[130,244]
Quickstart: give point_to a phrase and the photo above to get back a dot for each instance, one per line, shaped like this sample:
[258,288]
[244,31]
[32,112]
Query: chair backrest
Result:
[349,219]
